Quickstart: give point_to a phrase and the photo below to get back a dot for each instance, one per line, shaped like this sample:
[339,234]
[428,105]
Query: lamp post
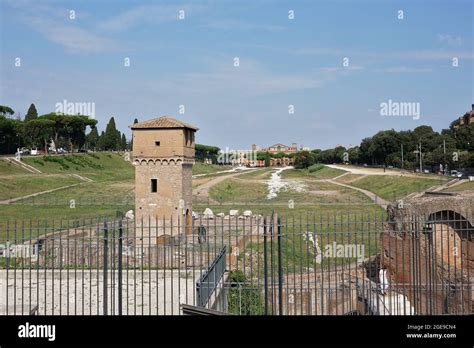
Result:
[18,149]
[402,154]
[444,156]
[421,164]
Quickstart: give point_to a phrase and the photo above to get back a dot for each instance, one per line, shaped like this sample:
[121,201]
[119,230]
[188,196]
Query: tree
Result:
[6,110]
[111,139]
[69,130]
[31,114]
[10,130]
[124,142]
[303,159]
[101,142]
[40,130]
[206,151]
[92,138]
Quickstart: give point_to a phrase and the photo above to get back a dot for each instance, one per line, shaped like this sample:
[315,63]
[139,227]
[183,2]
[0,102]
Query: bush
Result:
[242,298]
[315,167]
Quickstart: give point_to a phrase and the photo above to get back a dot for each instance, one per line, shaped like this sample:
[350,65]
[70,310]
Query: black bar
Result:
[105,268]
[280,280]
[194,310]
[120,242]
[265,270]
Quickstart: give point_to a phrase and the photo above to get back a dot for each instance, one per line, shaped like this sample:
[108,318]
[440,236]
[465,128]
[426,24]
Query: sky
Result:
[315,73]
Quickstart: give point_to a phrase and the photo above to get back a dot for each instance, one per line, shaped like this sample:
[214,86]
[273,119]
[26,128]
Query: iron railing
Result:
[208,284]
[319,264]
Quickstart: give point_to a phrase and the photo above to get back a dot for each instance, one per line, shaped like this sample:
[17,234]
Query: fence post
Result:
[105,268]
[280,280]
[265,270]
[120,241]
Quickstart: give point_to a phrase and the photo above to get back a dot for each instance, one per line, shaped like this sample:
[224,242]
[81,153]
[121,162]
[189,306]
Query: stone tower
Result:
[163,155]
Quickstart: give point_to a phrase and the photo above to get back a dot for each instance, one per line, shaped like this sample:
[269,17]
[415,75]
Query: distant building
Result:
[281,162]
[255,147]
[466,119]
[277,148]
[255,163]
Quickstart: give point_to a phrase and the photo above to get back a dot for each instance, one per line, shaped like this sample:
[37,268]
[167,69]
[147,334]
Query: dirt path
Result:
[376,199]
[449,184]
[370,171]
[202,191]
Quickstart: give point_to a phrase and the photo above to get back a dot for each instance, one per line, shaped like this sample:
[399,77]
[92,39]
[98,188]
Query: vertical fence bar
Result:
[280,279]
[105,268]
[265,270]
[120,243]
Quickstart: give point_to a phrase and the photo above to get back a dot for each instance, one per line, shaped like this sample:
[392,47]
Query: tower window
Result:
[157,143]
[154,185]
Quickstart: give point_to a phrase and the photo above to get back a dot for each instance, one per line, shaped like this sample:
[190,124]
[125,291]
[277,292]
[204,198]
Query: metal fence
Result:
[313,264]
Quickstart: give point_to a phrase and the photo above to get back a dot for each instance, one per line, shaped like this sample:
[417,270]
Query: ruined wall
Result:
[428,251]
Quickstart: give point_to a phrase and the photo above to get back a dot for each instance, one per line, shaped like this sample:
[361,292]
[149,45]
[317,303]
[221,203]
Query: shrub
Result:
[315,167]
[242,298]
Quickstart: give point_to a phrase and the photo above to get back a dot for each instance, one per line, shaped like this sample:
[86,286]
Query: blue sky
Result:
[283,62]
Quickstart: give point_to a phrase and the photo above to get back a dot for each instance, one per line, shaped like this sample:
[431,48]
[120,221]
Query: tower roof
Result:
[162,122]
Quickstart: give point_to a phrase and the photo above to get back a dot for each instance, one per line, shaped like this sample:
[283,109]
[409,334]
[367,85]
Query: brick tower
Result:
[163,155]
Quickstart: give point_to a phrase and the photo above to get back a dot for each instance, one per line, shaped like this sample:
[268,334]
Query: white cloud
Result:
[53,23]
[250,78]
[143,15]
[231,24]
[402,55]
[341,68]
[404,69]
[72,38]
[449,40]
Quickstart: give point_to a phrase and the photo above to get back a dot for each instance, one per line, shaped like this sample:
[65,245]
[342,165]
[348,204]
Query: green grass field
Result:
[393,187]
[260,174]
[111,191]
[201,168]
[469,185]
[7,168]
[323,173]
[231,190]
[101,166]
[23,184]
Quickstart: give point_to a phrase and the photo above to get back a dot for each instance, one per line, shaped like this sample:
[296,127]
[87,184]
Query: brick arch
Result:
[461,225]
[423,208]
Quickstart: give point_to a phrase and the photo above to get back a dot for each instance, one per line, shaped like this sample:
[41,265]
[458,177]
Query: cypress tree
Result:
[93,138]
[111,137]
[32,113]
[124,142]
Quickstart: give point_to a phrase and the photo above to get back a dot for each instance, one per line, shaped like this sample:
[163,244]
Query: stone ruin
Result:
[427,250]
